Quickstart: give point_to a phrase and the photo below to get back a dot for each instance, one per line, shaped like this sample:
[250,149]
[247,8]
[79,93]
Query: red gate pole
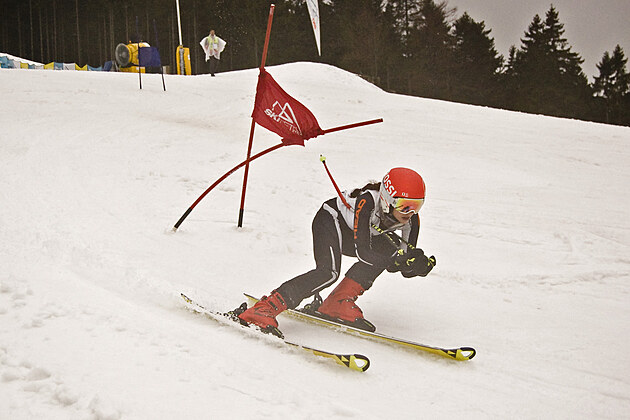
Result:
[354,125]
[251,131]
[260,154]
[218,181]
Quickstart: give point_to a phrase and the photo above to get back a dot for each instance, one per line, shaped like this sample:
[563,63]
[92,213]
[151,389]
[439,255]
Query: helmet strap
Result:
[389,220]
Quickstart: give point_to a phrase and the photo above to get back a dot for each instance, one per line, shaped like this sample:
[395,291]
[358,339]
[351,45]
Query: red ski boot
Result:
[263,313]
[340,305]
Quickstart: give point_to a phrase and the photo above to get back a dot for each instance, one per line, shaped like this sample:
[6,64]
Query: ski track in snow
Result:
[526,214]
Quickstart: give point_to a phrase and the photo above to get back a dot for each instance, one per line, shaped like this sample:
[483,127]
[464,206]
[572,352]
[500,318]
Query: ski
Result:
[459,353]
[353,361]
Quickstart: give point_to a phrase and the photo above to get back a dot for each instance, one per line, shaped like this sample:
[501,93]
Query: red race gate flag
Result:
[279,112]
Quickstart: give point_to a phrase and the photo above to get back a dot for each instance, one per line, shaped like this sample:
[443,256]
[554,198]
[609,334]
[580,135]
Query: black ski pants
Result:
[332,238]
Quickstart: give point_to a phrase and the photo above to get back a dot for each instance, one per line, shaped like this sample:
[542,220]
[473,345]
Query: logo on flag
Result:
[291,121]
[284,115]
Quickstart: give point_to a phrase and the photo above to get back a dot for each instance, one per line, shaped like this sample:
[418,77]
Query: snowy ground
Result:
[527,215]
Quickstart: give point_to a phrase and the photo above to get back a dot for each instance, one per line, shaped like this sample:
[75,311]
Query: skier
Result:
[360,224]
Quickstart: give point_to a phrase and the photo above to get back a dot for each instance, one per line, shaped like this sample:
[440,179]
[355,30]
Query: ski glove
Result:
[421,267]
[403,261]
[412,263]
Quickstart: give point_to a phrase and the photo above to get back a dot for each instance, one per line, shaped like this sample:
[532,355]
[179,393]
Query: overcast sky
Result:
[591,26]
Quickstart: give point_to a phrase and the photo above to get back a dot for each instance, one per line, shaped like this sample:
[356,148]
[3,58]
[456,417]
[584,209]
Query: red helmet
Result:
[402,189]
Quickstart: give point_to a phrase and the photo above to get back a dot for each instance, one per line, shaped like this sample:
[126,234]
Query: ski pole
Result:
[383,232]
[410,246]
[322,159]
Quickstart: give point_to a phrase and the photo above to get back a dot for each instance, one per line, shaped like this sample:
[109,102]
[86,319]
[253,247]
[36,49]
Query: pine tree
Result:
[430,49]
[477,62]
[364,37]
[402,12]
[546,75]
[613,85]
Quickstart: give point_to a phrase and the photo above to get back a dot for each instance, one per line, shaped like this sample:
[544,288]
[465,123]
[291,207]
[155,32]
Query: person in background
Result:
[213,46]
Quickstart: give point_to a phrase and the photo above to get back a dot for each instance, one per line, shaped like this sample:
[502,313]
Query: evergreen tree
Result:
[408,46]
[430,47]
[546,75]
[364,40]
[292,34]
[477,62]
[508,70]
[613,85]
[507,81]
[402,12]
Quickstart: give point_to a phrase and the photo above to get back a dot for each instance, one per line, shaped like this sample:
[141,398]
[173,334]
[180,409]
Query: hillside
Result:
[527,216]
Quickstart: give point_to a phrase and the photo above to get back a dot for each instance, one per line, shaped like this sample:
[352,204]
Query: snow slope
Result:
[527,215]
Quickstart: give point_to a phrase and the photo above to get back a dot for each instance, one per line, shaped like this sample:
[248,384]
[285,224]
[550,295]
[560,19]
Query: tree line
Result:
[414,47]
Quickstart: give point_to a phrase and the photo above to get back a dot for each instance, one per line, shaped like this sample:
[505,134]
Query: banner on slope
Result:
[279,112]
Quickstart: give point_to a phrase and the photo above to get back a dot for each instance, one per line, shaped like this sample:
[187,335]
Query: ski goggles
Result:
[408,205]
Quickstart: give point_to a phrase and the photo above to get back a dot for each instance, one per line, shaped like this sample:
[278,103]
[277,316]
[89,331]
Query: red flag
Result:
[277,111]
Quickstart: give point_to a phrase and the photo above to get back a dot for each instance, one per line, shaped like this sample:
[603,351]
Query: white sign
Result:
[313,11]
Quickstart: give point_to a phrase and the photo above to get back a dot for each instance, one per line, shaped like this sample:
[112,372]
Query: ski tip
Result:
[359,362]
[465,353]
